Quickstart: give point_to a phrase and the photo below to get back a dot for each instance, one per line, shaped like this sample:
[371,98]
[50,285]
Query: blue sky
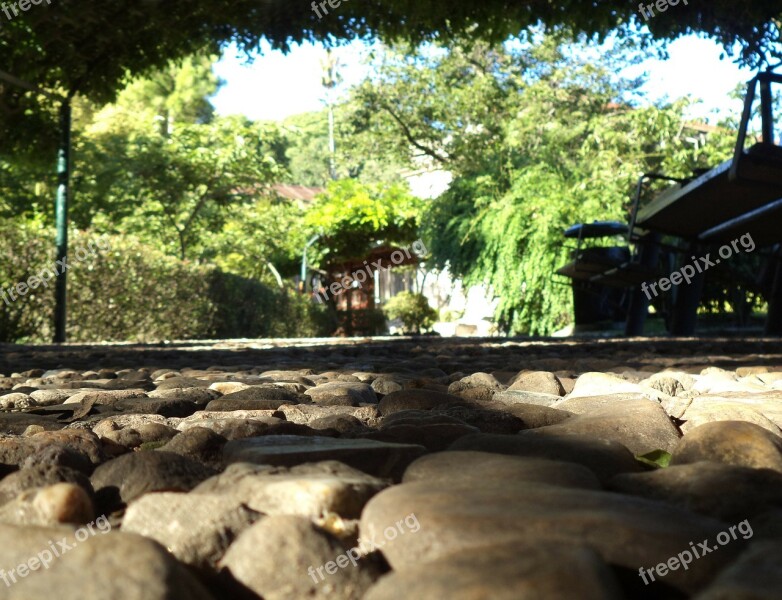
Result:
[275,85]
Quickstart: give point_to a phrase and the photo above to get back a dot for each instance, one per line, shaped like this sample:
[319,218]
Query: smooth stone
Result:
[513,571]
[415,399]
[541,382]
[725,407]
[105,397]
[278,556]
[199,444]
[581,405]
[228,387]
[342,394]
[754,576]
[512,397]
[603,457]
[625,531]
[201,396]
[105,565]
[434,436]
[39,476]
[475,468]
[605,384]
[721,491]
[129,476]
[308,490]
[265,393]
[196,529]
[50,505]
[730,442]
[534,416]
[384,386]
[640,425]
[377,458]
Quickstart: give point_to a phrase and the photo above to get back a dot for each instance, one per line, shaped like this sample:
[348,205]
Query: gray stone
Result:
[129,476]
[626,531]
[40,476]
[641,426]
[512,397]
[754,576]
[342,394]
[542,382]
[514,571]
[277,559]
[476,468]
[730,442]
[312,490]
[377,458]
[50,505]
[197,529]
[603,457]
[120,565]
[416,399]
[722,491]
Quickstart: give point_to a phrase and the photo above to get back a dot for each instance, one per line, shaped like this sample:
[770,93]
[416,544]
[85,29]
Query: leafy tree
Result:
[537,139]
[353,217]
[90,48]
[413,310]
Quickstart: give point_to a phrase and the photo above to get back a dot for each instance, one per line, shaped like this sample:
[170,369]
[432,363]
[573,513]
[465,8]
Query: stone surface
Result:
[377,458]
[310,490]
[50,505]
[730,442]
[454,518]
[196,529]
[129,476]
[603,457]
[641,426]
[754,576]
[542,382]
[474,468]
[40,476]
[513,571]
[104,565]
[274,559]
[722,491]
[417,399]
[342,394]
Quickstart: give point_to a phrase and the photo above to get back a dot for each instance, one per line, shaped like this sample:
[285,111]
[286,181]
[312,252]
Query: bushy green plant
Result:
[413,310]
[127,291]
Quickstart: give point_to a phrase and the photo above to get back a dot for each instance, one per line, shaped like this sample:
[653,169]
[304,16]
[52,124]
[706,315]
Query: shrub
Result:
[127,291]
[413,310]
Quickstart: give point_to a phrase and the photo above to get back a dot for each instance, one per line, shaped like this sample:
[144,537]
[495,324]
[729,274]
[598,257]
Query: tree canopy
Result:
[91,47]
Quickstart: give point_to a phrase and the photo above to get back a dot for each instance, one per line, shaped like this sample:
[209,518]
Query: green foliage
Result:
[133,292]
[413,310]
[352,218]
[657,459]
[538,138]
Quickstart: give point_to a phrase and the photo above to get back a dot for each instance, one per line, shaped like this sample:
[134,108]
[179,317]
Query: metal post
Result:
[61,215]
[639,303]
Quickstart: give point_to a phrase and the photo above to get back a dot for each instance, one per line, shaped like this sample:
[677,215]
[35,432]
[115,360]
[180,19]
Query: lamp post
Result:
[61,203]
